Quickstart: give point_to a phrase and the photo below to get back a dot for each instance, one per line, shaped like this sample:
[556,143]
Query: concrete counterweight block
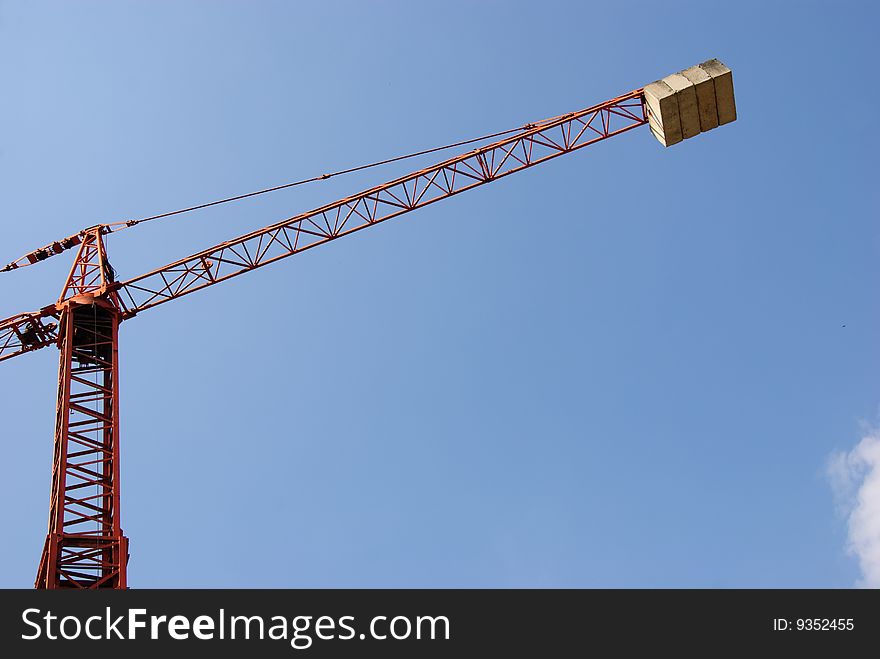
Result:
[688,103]
[662,107]
[723,79]
[705,89]
[688,114]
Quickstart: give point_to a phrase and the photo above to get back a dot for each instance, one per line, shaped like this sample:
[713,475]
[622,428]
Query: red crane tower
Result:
[85,546]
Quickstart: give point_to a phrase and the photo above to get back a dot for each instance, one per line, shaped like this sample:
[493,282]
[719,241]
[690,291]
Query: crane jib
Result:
[677,107]
[534,144]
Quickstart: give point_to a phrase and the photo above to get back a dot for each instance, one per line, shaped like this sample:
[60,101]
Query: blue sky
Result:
[628,367]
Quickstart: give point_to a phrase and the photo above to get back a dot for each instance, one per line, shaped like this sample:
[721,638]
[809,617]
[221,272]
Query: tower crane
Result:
[85,546]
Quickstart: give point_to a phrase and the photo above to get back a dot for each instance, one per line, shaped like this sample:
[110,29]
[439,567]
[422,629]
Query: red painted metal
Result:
[538,143]
[26,332]
[85,547]
[535,145]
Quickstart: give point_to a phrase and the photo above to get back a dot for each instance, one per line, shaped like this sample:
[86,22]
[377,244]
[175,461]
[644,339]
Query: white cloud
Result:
[855,478]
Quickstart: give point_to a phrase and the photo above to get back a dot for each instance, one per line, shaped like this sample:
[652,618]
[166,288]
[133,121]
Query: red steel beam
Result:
[85,547]
[25,332]
[536,144]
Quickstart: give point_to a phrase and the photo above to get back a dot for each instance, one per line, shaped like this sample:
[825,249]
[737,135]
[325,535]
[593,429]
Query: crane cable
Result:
[66,243]
[324,177]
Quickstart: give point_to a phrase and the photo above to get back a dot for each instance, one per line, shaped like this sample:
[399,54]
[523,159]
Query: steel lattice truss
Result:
[84,547]
[535,145]
[28,331]
[89,270]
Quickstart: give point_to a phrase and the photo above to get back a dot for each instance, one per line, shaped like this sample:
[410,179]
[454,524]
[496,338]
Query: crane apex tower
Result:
[690,102]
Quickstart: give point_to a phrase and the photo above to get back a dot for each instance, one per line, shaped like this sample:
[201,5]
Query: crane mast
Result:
[85,546]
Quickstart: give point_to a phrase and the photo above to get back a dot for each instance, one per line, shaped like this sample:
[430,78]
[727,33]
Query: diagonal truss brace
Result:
[535,145]
[85,547]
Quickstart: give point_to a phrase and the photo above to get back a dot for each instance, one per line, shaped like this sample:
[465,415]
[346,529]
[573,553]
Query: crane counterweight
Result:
[684,104]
